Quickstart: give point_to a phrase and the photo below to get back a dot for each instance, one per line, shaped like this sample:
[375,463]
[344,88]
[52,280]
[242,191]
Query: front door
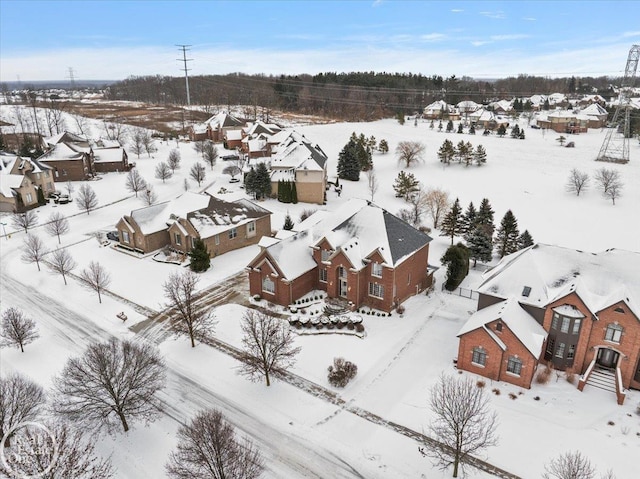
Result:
[343,288]
[607,358]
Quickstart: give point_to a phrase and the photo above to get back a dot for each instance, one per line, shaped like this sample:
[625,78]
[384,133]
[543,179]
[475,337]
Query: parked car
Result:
[113,236]
[230,157]
[53,196]
[234,180]
[535,127]
[62,199]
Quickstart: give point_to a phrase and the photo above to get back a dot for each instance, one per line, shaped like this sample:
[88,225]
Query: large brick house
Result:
[222,225]
[361,253]
[215,128]
[570,309]
[20,180]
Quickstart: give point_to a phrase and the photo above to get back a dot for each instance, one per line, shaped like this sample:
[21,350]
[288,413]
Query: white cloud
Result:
[457,10]
[513,36]
[631,34]
[499,14]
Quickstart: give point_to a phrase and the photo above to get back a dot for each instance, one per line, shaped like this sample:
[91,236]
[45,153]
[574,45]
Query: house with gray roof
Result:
[361,253]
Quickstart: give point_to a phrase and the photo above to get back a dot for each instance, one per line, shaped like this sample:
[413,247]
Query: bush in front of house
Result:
[341,372]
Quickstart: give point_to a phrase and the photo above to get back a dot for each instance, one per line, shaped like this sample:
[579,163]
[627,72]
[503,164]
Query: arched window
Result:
[613,333]
[268,286]
[479,356]
[514,365]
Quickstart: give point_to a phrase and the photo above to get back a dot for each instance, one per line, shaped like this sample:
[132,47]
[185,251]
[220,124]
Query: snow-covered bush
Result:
[341,372]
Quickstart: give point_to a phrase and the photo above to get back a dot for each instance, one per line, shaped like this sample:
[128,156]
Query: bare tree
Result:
[69,187]
[149,143]
[372,183]
[208,448]
[110,384]
[163,171]
[135,182]
[463,421]
[149,196]
[62,263]
[232,170]
[17,329]
[87,198]
[21,400]
[615,190]
[61,452]
[410,152]
[25,220]
[174,160]
[137,141]
[115,130]
[570,465]
[436,202]
[82,124]
[96,277]
[268,345]
[54,115]
[197,173]
[210,153]
[57,225]
[199,146]
[33,250]
[577,182]
[180,290]
[605,178]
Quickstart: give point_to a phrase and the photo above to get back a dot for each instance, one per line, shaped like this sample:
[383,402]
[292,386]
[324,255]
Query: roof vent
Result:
[526,291]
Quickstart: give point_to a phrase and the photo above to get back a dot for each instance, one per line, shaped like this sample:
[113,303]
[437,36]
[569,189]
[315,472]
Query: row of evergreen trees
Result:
[463,152]
[257,182]
[287,192]
[356,156]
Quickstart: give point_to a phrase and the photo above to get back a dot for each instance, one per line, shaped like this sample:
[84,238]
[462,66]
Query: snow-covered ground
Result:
[398,360]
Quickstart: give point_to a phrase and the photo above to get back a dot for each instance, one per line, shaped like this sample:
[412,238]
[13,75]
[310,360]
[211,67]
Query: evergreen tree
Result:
[262,187]
[383,146]
[456,259]
[363,154]
[40,194]
[546,105]
[288,223]
[431,125]
[400,117]
[480,155]
[460,128]
[281,191]
[449,126]
[502,130]
[469,219]
[200,260]
[348,166]
[249,181]
[472,129]
[440,126]
[521,137]
[525,240]
[484,218]
[480,246]
[294,193]
[446,152]
[507,235]
[515,131]
[405,184]
[452,223]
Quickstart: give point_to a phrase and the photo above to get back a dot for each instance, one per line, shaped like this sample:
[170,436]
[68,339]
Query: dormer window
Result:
[376,270]
[325,254]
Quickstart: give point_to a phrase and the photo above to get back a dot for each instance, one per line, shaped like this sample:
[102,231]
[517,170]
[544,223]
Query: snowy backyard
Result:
[398,359]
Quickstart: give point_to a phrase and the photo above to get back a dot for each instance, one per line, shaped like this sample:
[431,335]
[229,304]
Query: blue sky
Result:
[100,40]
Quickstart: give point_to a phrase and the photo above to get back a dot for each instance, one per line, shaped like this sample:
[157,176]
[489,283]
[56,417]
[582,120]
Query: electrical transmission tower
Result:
[615,148]
[72,80]
[184,59]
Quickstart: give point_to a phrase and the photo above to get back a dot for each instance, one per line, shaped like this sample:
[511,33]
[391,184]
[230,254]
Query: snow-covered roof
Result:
[437,106]
[66,137]
[595,109]
[521,324]
[296,152]
[468,106]
[234,135]
[108,155]
[552,272]
[358,229]
[8,181]
[223,120]
[220,216]
[64,151]
[155,217]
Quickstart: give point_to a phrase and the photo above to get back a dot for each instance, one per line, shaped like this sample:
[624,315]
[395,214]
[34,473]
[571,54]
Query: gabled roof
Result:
[151,219]
[219,216]
[66,137]
[64,151]
[552,272]
[296,152]
[223,120]
[594,109]
[521,324]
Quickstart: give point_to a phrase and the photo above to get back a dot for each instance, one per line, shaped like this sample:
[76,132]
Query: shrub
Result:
[496,391]
[319,326]
[513,396]
[536,398]
[340,325]
[305,214]
[341,372]
[611,423]
[543,376]
[257,297]
[570,376]
[481,383]
[350,326]
[359,328]
[400,309]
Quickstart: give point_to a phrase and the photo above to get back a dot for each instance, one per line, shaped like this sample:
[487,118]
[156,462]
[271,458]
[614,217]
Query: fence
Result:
[464,292]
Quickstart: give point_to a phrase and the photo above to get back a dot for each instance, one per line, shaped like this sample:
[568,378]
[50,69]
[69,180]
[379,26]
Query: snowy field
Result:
[398,360]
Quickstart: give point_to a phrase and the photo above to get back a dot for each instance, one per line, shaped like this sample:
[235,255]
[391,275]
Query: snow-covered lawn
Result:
[398,359]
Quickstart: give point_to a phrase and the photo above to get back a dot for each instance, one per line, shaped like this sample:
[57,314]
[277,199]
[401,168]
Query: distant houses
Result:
[575,311]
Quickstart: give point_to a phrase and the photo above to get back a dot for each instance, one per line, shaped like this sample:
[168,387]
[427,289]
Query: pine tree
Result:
[262,181]
[484,218]
[400,117]
[294,193]
[507,235]
[383,146]
[363,154]
[456,259]
[288,223]
[480,246]
[515,131]
[460,128]
[40,194]
[405,184]
[348,166]
[452,223]
[446,152]
[502,130]
[200,260]
[525,240]
[449,126]
[440,126]
[469,219]
[480,155]
[281,191]
[472,129]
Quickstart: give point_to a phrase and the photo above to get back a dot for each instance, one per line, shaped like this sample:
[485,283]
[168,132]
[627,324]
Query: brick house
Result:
[214,128]
[581,308]
[222,225]
[361,253]
[20,180]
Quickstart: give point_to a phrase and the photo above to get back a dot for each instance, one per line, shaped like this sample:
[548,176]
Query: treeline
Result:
[350,96]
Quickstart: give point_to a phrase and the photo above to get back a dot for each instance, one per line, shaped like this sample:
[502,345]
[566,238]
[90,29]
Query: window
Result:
[323,275]
[555,321]
[479,356]
[217,239]
[526,291]
[576,326]
[268,286]
[29,197]
[193,242]
[376,290]
[342,273]
[125,236]
[550,345]
[619,310]
[560,350]
[572,351]
[376,270]
[233,232]
[409,279]
[514,365]
[251,228]
[613,333]
[178,238]
[324,254]
[565,325]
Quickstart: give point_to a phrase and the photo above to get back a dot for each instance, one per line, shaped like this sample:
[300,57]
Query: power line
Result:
[184,59]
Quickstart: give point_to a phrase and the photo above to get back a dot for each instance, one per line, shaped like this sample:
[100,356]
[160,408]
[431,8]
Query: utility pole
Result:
[72,80]
[184,59]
